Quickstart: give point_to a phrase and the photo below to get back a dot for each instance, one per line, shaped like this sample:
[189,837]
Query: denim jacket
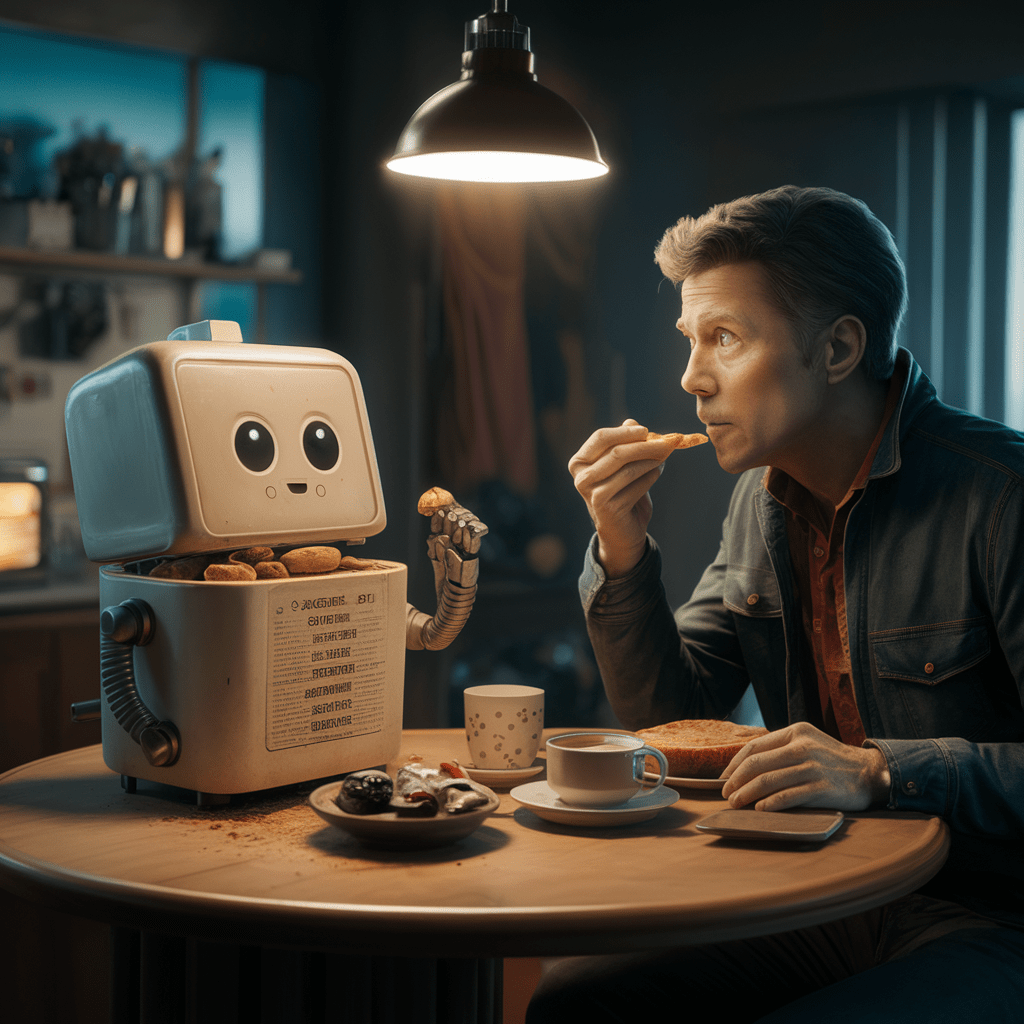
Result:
[934,576]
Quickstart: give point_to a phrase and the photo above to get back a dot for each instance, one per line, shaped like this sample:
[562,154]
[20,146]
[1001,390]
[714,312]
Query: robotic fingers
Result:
[453,546]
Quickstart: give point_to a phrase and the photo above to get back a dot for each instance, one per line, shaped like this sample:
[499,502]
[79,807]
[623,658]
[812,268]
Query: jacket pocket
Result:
[930,654]
[752,591]
[934,680]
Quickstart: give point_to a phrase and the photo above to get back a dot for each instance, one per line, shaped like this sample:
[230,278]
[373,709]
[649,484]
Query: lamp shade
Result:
[498,123]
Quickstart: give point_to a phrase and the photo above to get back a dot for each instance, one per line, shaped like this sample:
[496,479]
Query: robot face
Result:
[275,448]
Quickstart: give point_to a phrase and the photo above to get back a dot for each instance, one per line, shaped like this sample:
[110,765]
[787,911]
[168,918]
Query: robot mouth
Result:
[297,488]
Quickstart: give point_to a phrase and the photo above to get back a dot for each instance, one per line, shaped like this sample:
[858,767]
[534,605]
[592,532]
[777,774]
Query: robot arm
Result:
[453,546]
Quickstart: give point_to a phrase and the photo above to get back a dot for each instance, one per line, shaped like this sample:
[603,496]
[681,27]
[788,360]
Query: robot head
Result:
[200,443]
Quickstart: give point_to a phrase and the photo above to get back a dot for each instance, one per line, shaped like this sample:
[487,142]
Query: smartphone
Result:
[790,826]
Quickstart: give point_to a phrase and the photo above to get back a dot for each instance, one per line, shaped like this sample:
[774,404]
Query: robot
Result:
[203,468]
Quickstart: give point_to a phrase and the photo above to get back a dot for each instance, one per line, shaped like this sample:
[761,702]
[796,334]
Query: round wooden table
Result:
[268,874]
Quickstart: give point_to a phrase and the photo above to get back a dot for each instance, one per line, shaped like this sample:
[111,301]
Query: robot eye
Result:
[320,444]
[254,446]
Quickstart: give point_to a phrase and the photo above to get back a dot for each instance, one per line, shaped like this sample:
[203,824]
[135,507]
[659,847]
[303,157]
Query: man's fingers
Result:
[657,450]
[765,769]
[758,745]
[617,496]
[612,451]
[809,795]
[768,784]
[624,499]
[601,440]
[612,471]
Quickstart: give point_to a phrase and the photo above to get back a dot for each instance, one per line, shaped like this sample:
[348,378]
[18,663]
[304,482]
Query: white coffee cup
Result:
[504,722]
[600,769]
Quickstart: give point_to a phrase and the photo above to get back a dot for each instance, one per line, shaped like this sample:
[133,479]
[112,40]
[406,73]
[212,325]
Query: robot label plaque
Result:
[327,660]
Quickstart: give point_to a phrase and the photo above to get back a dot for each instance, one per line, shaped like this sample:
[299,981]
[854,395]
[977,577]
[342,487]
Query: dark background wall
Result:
[692,104]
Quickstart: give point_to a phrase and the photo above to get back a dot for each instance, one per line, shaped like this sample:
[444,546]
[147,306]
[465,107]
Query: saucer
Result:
[680,783]
[540,798]
[501,777]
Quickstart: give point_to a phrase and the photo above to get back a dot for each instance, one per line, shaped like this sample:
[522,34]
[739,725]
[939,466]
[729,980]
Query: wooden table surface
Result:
[270,870]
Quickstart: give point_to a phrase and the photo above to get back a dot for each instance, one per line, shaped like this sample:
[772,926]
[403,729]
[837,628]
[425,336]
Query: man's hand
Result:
[613,471]
[802,766]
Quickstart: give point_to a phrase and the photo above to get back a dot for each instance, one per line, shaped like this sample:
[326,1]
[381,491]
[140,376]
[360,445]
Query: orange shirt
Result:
[816,552]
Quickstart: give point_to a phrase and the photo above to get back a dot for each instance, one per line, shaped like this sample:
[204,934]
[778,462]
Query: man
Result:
[868,586]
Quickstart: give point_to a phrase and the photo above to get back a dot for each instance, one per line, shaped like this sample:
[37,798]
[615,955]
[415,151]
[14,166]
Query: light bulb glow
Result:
[497,166]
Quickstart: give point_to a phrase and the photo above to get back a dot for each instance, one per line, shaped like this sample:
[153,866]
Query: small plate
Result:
[391,832]
[502,777]
[678,783]
[540,798]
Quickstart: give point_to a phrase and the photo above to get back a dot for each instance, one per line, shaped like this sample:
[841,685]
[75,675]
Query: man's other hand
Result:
[801,766]
[613,471]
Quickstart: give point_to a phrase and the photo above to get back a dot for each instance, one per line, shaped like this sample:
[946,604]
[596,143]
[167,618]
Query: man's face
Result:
[763,405]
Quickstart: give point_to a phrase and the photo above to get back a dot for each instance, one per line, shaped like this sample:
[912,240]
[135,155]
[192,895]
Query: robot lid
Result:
[202,443]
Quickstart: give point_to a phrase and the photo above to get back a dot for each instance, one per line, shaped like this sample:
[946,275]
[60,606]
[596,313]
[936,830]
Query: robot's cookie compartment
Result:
[267,683]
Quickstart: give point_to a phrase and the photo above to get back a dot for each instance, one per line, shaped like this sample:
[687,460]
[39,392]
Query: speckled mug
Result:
[503,725]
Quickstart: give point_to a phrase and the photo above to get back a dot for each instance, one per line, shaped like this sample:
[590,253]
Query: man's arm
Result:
[651,671]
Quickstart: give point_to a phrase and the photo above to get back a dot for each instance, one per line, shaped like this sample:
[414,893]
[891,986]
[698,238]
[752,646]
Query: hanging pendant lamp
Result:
[497,123]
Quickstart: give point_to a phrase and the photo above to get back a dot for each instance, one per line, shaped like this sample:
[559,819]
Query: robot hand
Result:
[453,544]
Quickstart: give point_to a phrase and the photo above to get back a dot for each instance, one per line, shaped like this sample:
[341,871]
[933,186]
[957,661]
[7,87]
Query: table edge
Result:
[497,931]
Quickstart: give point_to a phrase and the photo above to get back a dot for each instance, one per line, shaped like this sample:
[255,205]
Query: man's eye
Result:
[726,337]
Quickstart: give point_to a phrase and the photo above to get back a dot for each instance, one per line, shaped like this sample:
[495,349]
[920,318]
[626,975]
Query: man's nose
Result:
[697,377]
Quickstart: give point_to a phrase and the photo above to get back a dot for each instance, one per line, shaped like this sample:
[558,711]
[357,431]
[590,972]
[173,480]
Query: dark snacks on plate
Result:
[419,792]
[367,792]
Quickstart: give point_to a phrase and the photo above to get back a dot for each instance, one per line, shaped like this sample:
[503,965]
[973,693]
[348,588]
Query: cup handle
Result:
[640,756]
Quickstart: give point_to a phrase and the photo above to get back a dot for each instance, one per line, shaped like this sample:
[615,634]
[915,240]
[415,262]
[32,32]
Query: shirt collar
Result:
[916,391]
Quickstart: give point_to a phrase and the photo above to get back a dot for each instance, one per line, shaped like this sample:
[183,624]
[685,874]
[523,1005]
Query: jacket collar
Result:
[918,391]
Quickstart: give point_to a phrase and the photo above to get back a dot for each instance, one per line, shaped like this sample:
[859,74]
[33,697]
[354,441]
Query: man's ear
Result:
[845,348]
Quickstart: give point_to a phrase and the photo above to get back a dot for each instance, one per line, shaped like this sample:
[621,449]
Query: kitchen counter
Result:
[77,587]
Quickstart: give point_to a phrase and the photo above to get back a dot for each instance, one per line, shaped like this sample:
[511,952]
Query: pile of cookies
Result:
[261,563]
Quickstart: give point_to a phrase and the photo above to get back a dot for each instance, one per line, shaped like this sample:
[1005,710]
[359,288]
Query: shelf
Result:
[80,262]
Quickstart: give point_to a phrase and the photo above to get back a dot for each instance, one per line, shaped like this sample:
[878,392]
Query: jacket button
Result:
[753,599]
[929,668]
[910,787]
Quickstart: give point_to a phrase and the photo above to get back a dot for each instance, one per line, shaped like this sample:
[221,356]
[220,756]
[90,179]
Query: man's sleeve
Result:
[652,672]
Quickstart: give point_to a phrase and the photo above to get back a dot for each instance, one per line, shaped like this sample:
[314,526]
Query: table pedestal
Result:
[163,979]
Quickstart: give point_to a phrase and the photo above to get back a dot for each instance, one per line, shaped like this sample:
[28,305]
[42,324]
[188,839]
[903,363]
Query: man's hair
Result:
[825,255]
